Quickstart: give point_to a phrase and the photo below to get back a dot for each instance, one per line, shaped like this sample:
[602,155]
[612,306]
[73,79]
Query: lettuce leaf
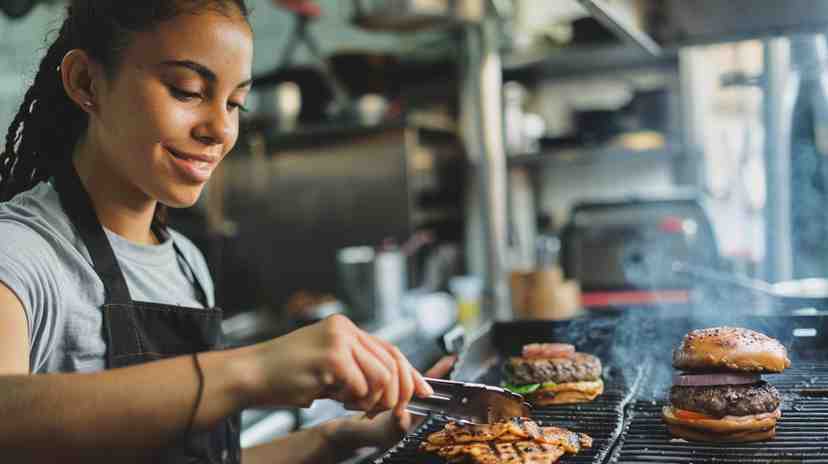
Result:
[521,389]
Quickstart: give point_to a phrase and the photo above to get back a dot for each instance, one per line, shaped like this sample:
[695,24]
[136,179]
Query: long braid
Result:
[45,128]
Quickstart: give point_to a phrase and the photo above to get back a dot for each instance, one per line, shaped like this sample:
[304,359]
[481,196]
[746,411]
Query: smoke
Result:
[646,336]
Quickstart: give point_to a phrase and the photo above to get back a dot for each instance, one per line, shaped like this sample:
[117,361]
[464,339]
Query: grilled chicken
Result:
[516,441]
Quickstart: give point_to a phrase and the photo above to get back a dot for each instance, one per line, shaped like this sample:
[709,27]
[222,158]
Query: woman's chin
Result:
[182,197]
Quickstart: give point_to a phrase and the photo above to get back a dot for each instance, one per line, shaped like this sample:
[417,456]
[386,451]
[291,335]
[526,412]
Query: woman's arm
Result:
[120,415]
[124,415]
[337,440]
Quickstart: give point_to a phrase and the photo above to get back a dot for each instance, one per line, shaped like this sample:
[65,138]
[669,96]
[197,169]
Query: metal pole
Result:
[482,103]
[777,116]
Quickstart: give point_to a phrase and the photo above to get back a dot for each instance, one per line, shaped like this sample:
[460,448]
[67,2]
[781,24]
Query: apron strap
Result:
[200,289]
[78,205]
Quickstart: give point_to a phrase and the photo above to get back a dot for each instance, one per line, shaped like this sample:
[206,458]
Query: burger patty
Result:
[727,400]
[579,368]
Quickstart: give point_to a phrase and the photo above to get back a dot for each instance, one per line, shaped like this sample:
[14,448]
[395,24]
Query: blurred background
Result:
[428,166]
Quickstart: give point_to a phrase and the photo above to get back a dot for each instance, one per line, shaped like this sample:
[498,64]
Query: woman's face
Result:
[171,112]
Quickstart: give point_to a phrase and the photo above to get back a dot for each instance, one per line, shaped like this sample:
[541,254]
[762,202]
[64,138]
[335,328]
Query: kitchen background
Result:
[353,187]
[694,129]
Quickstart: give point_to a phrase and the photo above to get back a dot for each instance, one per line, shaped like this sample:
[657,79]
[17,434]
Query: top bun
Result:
[730,349]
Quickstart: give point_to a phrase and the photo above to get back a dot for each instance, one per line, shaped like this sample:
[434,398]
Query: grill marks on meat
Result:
[515,441]
[510,453]
[570,442]
[516,429]
[727,400]
[580,367]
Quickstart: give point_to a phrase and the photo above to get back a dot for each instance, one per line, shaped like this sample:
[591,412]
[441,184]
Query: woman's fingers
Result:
[395,390]
[406,379]
[442,367]
[370,373]
[378,376]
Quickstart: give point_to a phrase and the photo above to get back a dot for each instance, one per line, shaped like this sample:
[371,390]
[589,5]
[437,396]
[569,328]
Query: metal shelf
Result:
[580,155]
[557,62]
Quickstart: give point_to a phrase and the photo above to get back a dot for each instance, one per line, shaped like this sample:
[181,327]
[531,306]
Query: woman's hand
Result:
[384,430]
[333,359]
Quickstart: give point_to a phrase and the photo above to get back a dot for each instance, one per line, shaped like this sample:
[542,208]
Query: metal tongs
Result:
[470,402]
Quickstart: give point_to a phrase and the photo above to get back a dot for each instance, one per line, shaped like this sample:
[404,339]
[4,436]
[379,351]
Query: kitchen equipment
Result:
[372,282]
[470,402]
[481,362]
[631,244]
[411,177]
[625,421]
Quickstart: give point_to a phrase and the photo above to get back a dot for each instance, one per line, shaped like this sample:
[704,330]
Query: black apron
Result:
[138,332]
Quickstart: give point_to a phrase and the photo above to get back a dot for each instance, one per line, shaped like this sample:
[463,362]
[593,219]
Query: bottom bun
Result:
[735,437]
[567,393]
[730,429]
[726,425]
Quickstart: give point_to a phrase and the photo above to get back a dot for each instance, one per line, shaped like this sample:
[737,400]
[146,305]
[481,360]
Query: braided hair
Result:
[48,123]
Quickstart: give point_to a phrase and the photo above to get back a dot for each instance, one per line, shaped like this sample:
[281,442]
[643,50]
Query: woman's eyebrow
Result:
[203,71]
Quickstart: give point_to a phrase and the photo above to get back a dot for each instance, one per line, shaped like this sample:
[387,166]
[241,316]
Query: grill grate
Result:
[625,422]
[801,434]
[602,419]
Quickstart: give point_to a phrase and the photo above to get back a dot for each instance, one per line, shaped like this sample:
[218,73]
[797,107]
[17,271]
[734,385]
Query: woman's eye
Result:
[238,106]
[183,95]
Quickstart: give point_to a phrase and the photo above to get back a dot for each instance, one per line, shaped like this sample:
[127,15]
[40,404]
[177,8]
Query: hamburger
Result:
[554,373]
[720,396]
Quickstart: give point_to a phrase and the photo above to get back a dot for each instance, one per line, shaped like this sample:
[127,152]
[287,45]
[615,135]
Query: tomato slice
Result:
[689,415]
[548,350]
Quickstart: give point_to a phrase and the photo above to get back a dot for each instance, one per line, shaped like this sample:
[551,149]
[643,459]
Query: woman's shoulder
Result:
[34,215]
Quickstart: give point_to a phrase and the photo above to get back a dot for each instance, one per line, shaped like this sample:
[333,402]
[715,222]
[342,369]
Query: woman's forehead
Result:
[221,42]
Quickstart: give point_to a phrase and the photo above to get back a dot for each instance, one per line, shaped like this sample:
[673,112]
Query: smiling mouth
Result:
[194,168]
[199,161]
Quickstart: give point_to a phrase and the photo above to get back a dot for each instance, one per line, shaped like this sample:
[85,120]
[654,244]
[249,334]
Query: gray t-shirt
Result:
[45,263]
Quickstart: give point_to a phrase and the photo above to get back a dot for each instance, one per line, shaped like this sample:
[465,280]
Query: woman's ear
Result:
[81,79]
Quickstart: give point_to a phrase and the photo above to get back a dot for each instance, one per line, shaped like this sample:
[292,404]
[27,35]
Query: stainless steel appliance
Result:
[298,199]
[632,244]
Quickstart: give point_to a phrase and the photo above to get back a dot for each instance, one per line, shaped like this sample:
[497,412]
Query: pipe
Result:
[482,103]
[778,112]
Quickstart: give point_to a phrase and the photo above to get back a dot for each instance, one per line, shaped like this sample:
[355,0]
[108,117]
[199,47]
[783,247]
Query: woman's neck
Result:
[120,206]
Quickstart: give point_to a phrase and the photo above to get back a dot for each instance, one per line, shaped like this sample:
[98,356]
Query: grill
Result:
[625,422]
[603,420]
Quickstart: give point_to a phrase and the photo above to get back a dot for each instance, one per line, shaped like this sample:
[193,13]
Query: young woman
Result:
[132,108]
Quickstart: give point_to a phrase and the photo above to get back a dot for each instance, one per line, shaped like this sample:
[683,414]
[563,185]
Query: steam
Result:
[648,335]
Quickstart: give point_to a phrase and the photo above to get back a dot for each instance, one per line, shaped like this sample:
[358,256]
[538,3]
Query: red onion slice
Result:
[704,380]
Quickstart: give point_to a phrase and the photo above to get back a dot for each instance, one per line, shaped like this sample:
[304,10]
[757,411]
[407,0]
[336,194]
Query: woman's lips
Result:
[196,168]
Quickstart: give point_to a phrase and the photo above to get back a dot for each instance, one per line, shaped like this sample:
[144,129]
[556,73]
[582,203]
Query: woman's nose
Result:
[217,129]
